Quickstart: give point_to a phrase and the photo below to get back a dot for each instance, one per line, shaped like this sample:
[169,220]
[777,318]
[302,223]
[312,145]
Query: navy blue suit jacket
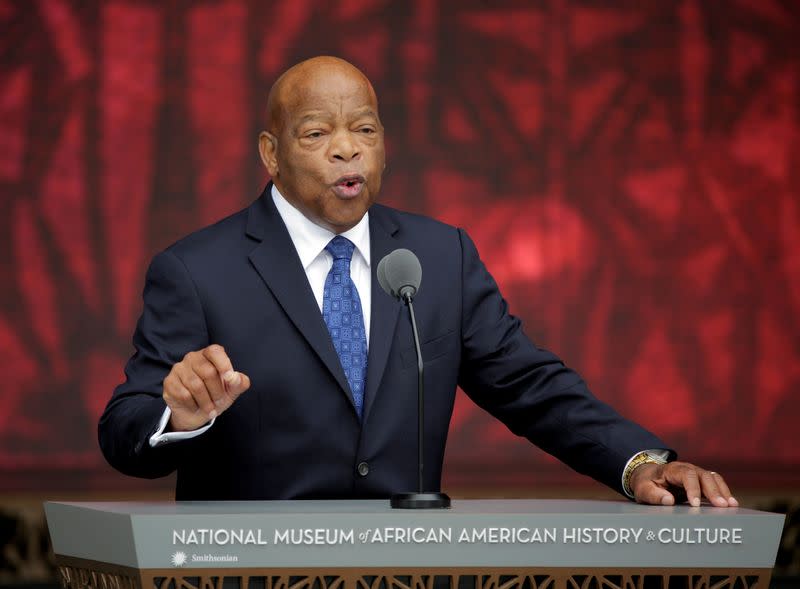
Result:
[295,433]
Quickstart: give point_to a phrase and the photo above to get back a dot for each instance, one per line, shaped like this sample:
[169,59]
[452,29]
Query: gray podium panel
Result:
[502,533]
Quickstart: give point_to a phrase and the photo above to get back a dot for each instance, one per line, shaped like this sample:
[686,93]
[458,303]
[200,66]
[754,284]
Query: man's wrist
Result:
[165,434]
[637,460]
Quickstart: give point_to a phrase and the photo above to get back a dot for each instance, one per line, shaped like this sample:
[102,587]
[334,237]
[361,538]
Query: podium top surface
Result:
[356,507]
[499,533]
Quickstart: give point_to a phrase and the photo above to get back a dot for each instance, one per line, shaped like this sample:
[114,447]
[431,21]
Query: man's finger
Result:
[177,396]
[711,489]
[197,388]
[186,415]
[725,491]
[213,381]
[649,492]
[235,383]
[685,475]
[218,357]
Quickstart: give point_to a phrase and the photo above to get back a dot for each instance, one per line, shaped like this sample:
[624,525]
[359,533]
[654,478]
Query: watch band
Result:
[639,459]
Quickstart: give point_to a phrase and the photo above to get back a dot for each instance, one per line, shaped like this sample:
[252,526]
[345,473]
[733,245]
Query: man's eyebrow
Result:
[311,116]
[316,115]
[367,111]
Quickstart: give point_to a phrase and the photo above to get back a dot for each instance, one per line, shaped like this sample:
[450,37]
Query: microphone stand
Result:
[420,499]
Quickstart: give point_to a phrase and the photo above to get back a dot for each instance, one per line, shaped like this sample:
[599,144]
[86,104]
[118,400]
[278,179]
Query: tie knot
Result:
[340,248]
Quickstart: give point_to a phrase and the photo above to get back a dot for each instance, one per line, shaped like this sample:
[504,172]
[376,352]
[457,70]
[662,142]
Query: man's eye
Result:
[367,130]
[314,134]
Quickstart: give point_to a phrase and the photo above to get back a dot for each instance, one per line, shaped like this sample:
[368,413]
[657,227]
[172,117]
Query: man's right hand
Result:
[202,386]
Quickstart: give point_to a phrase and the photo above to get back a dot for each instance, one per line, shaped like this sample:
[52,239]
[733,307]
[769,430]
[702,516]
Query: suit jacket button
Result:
[363,469]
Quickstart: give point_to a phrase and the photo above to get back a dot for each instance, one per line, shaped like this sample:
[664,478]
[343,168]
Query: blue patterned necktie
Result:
[341,310]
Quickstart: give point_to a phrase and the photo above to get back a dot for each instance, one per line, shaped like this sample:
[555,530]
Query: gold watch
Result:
[634,463]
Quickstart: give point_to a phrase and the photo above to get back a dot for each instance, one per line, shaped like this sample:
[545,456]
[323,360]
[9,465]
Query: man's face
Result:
[325,152]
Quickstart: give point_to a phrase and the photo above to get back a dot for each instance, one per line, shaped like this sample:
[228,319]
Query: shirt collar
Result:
[310,239]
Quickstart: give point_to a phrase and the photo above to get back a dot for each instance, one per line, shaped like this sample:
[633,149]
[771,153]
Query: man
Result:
[269,364]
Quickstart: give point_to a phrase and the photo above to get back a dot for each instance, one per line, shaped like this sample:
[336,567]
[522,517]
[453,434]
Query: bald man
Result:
[270,365]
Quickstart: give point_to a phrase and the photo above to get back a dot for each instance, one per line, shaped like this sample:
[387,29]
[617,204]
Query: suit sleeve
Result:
[531,390]
[172,323]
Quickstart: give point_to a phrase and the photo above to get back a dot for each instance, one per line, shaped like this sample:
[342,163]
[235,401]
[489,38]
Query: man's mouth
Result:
[349,186]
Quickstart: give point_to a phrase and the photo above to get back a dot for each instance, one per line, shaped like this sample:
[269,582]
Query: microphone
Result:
[400,274]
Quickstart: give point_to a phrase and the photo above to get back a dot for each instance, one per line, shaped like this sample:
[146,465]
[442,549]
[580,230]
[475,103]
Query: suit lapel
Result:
[383,317]
[276,260]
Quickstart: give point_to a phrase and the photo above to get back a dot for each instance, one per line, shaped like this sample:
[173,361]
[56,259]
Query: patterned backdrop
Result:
[628,169]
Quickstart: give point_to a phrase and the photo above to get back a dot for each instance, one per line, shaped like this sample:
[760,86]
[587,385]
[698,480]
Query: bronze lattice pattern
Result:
[557,580]
[79,578]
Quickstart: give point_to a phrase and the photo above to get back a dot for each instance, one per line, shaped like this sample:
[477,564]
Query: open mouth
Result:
[349,186]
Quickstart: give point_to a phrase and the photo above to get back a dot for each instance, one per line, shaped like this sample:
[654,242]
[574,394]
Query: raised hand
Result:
[202,386]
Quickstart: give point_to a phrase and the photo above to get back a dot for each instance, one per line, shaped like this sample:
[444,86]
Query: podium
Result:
[483,544]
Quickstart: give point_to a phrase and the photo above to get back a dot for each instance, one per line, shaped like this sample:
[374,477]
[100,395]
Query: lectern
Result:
[526,544]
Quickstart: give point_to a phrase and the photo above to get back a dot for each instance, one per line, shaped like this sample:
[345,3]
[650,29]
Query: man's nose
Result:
[343,148]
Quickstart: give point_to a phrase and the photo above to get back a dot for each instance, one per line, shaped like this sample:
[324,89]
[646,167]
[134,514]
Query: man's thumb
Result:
[236,382]
[652,494]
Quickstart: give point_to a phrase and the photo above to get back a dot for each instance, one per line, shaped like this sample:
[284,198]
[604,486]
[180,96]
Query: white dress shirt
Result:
[309,240]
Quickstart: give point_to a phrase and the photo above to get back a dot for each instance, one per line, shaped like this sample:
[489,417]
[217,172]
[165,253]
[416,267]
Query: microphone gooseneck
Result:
[400,274]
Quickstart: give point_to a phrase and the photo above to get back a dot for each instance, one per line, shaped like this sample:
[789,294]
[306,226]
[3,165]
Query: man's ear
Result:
[268,149]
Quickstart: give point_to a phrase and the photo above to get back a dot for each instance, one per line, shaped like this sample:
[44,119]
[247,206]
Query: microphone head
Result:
[400,273]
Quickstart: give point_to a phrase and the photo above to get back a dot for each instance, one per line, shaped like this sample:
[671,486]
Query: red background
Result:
[629,171]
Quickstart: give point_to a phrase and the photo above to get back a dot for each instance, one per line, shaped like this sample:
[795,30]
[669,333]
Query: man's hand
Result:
[202,386]
[661,484]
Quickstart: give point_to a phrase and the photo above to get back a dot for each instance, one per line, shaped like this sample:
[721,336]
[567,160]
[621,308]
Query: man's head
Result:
[323,145]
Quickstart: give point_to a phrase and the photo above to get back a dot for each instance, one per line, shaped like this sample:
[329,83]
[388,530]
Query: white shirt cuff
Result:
[159,438]
[661,454]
